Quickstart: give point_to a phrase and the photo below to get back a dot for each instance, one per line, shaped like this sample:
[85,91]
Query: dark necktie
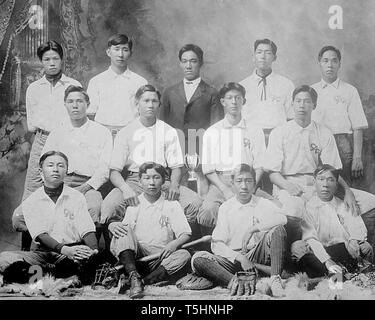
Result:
[263,95]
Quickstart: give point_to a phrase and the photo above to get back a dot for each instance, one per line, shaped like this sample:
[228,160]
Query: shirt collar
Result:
[126,74]
[158,203]
[334,84]
[318,203]
[65,193]
[194,82]
[252,203]
[298,128]
[81,128]
[63,80]
[257,78]
[227,125]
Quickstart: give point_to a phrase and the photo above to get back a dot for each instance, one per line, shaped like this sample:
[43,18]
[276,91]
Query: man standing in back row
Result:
[339,108]
[112,91]
[268,94]
[191,103]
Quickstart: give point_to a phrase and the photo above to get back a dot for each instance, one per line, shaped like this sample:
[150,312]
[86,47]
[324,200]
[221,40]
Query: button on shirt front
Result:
[271,109]
[112,97]
[45,103]
[67,221]
[156,224]
[339,107]
[88,149]
[136,144]
[295,150]
[225,146]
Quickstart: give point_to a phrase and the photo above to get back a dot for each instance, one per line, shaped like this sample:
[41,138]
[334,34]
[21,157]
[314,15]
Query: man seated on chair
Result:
[226,143]
[155,225]
[249,230]
[331,234]
[59,223]
[146,139]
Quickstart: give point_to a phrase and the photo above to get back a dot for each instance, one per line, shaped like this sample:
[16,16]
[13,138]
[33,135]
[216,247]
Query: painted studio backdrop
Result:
[225,29]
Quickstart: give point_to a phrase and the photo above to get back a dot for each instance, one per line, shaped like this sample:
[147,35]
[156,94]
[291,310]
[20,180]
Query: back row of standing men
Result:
[263,100]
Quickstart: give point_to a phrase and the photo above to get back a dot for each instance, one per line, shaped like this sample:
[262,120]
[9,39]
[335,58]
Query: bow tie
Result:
[189,82]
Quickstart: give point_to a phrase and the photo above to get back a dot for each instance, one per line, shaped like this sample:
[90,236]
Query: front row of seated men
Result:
[295,151]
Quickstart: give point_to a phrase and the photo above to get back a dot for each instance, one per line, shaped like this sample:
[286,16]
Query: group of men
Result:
[273,160]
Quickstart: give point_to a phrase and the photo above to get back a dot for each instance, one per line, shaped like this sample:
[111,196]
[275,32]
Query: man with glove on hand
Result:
[249,230]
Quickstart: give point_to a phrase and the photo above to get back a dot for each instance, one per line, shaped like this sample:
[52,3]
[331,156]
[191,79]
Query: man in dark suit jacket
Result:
[191,103]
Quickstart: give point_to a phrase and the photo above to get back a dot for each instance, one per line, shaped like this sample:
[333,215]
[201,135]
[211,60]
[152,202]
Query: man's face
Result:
[151,182]
[52,62]
[243,186]
[53,171]
[119,55]
[263,57]
[148,104]
[190,65]
[329,66]
[303,106]
[233,102]
[326,185]
[76,106]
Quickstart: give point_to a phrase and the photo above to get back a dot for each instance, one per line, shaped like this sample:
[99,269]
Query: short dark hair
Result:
[49,45]
[308,89]
[232,86]
[329,48]
[73,88]
[119,38]
[327,168]
[53,153]
[192,47]
[145,88]
[152,165]
[243,167]
[266,41]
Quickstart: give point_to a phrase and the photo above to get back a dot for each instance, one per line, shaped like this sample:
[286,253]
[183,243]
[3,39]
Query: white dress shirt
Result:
[45,107]
[136,144]
[225,146]
[270,106]
[190,87]
[234,220]
[67,221]
[339,107]
[88,149]
[295,150]
[112,97]
[156,224]
[329,223]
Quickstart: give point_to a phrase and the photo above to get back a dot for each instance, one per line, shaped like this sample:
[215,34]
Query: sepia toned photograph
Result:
[181,150]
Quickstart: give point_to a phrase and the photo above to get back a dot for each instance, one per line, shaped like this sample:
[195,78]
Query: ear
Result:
[274,57]
[222,101]
[244,101]
[41,174]
[108,52]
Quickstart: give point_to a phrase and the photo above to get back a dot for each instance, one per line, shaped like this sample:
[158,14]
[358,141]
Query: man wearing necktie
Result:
[268,94]
[191,105]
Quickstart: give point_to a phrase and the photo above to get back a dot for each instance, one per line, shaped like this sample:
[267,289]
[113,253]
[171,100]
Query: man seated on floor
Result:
[146,139]
[331,234]
[249,230]
[226,143]
[155,225]
[88,146]
[59,223]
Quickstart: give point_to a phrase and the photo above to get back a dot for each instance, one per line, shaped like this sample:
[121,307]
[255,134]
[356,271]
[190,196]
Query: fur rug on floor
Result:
[297,287]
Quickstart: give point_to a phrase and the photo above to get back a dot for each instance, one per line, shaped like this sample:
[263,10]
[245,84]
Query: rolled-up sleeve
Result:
[178,221]
[210,150]
[274,156]
[120,151]
[356,113]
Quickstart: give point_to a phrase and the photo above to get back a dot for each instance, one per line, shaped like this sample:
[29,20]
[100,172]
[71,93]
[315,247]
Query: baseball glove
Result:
[243,283]
[105,276]
[194,282]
